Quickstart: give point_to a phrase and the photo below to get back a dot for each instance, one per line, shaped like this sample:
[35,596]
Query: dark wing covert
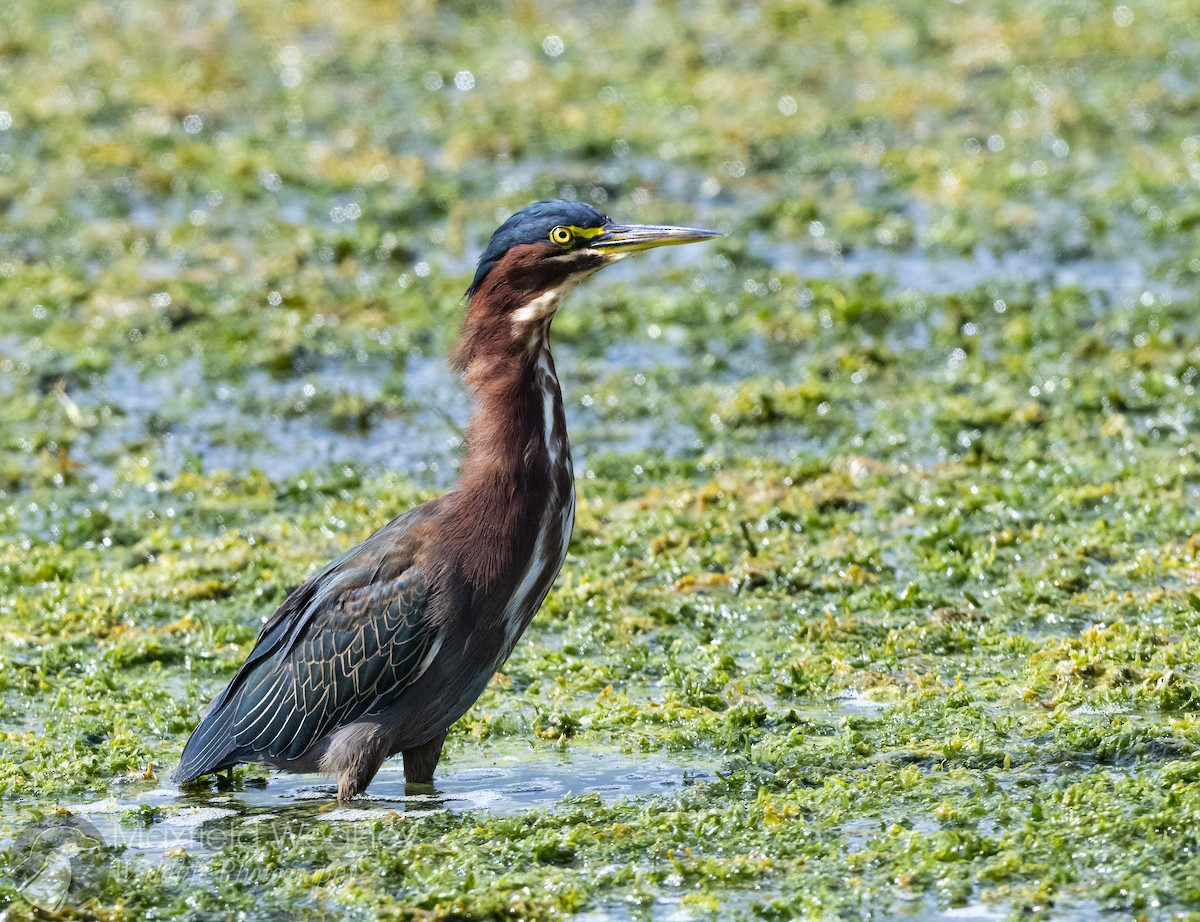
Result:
[343,645]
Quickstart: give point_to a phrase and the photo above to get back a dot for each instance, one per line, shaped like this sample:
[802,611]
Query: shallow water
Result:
[1118,279]
[501,780]
[265,423]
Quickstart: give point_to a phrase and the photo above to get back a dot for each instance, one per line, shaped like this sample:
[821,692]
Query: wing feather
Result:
[320,686]
[343,646]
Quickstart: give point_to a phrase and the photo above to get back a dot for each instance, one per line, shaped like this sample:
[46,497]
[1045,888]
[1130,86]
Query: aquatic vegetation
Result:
[884,594]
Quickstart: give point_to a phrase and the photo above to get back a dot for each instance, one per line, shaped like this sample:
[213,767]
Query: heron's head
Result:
[546,249]
[554,243]
[531,261]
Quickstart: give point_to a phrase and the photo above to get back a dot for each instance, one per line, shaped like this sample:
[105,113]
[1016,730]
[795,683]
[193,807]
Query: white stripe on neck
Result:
[547,381]
[544,305]
[541,307]
[557,518]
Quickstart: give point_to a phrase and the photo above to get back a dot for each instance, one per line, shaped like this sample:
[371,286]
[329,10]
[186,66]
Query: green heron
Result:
[383,650]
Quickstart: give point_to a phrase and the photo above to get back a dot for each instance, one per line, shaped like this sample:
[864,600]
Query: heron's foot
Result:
[227,780]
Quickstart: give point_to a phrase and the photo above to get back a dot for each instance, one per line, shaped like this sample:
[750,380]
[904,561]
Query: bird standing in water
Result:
[383,650]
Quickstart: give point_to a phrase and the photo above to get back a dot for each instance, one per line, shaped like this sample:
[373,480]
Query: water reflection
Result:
[502,780]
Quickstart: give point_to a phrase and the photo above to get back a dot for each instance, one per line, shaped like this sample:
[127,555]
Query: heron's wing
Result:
[343,645]
[355,653]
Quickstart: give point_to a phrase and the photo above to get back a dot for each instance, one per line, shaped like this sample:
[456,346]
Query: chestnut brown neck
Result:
[517,463]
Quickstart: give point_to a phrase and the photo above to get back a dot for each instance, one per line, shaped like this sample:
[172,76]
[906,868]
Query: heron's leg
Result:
[355,777]
[420,761]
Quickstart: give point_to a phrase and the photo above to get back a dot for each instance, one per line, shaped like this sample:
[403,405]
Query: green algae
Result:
[886,548]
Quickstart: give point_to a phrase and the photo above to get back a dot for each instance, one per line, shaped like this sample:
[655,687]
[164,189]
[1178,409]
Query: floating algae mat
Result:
[883,600]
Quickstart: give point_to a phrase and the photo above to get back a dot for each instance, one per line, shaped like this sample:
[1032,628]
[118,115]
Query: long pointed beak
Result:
[629,238]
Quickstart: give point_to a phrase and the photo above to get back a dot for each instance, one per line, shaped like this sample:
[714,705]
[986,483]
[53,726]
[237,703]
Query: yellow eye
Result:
[562,236]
